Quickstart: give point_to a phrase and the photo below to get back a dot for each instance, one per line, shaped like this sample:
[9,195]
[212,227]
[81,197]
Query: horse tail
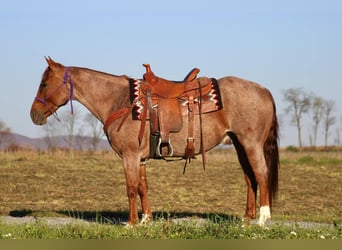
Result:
[271,154]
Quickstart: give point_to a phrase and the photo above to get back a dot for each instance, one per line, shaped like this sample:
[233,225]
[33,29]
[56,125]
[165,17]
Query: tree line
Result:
[301,103]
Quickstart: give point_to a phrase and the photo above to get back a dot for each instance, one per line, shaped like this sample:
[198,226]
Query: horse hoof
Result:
[145,219]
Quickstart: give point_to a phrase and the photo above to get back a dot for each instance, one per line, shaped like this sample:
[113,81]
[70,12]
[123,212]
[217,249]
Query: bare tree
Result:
[52,130]
[317,111]
[81,141]
[328,119]
[298,104]
[338,137]
[67,127]
[71,128]
[4,131]
[96,130]
[338,133]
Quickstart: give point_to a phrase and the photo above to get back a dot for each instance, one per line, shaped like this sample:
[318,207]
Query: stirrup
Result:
[169,148]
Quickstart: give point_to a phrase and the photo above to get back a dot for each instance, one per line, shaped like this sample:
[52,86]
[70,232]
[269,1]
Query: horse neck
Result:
[99,92]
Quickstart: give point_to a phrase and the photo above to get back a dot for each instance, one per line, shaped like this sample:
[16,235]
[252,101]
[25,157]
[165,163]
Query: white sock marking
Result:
[145,218]
[265,214]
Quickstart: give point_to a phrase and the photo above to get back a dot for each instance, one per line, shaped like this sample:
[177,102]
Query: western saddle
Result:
[167,102]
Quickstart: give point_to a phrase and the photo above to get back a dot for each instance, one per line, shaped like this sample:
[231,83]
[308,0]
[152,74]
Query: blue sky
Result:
[280,44]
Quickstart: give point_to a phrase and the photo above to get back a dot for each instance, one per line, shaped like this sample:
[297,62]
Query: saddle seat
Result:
[163,98]
[172,89]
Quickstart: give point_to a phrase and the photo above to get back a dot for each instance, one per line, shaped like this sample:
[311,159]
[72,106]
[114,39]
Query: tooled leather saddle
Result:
[165,103]
[164,99]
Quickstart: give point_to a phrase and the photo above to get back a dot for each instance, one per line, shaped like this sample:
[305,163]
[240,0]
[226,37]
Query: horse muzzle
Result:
[38,118]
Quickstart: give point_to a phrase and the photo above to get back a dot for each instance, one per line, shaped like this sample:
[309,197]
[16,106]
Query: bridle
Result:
[64,83]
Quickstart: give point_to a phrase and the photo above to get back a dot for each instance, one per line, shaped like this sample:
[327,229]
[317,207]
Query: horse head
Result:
[53,92]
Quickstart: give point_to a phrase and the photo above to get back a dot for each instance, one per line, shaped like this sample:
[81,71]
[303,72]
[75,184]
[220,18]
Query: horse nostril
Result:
[32,116]
[37,118]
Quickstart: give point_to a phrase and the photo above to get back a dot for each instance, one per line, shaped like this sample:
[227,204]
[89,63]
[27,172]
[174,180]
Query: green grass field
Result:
[92,187]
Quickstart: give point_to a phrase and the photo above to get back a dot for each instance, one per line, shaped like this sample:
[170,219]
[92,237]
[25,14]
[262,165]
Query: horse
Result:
[248,119]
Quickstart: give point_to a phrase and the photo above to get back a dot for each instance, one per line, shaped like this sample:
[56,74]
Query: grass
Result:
[212,228]
[92,187]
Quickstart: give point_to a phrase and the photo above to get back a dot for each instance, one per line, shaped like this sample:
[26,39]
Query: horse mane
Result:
[100,72]
[48,70]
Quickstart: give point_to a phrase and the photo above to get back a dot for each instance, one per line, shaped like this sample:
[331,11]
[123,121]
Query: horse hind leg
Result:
[264,161]
[252,185]
[258,164]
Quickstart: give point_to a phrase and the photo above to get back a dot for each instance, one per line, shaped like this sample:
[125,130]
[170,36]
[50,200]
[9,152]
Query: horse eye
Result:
[43,85]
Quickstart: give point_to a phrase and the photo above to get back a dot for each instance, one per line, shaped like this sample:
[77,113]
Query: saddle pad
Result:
[210,102]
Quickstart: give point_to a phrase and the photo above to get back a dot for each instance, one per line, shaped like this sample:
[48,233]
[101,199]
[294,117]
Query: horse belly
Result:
[213,129]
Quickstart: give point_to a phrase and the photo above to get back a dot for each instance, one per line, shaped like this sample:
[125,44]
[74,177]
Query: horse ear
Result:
[49,61]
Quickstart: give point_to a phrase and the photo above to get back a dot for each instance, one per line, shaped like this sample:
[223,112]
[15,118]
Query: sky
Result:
[279,44]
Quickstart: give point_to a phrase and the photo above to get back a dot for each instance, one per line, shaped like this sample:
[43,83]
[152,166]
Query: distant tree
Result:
[298,104]
[4,131]
[67,127]
[337,139]
[71,126]
[96,130]
[328,118]
[317,108]
[281,118]
[52,129]
[81,142]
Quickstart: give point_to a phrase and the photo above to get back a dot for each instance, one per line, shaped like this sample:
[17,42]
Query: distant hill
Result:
[80,142]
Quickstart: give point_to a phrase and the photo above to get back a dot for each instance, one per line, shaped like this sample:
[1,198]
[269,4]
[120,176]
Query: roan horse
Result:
[248,118]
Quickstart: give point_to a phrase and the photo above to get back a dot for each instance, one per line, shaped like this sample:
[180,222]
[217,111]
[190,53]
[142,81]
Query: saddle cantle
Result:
[163,99]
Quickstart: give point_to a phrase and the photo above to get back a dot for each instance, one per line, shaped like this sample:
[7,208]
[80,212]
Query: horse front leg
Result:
[132,205]
[142,191]
[132,175]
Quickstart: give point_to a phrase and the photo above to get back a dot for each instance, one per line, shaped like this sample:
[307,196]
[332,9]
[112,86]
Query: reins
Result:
[71,93]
